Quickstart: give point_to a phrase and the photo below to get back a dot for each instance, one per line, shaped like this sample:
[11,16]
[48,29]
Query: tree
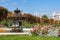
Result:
[30,18]
[9,14]
[3,13]
[51,21]
[44,17]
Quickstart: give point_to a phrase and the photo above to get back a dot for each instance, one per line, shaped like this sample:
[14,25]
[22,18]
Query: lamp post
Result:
[17,12]
[19,20]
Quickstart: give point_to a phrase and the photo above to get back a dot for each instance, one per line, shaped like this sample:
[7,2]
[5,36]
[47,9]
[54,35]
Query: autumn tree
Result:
[3,13]
[30,18]
[9,14]
[51,21]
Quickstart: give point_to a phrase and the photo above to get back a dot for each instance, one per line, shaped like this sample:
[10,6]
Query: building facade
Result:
[56,15]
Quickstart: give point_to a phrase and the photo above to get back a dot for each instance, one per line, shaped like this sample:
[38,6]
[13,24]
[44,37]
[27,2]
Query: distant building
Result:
[56,15]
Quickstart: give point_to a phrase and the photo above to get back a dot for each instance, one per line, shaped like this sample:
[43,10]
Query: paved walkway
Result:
[25,31]
[13,33]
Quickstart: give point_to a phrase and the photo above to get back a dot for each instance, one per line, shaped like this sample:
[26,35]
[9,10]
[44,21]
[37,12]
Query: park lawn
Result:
[26,37]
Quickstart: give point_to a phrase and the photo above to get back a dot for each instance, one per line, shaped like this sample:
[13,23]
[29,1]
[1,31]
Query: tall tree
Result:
[44,17]
[9,14]
[3,13]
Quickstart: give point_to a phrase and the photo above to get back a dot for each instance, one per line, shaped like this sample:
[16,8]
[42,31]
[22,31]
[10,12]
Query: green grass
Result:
[26,37]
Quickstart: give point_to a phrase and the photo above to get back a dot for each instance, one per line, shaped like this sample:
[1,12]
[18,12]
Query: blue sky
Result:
[40,7]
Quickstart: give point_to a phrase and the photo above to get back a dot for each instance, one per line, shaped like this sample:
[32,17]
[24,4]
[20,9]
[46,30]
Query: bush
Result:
[26,24]
[9,22]
[35,31]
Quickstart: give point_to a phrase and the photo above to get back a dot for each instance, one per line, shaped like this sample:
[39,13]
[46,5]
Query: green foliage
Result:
[26,37]
[34,34]
[26,24]
[2,22]
[9,22]
[56,25]
[44,17]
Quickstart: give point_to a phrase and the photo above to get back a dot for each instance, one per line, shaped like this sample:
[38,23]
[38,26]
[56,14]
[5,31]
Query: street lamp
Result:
[17,11]
[19,20]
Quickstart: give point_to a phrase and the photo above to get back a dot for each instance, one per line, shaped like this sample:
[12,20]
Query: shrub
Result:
[35,31]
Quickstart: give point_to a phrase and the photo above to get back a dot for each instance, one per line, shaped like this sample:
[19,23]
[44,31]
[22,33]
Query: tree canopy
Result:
[3,13]
[44,17]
